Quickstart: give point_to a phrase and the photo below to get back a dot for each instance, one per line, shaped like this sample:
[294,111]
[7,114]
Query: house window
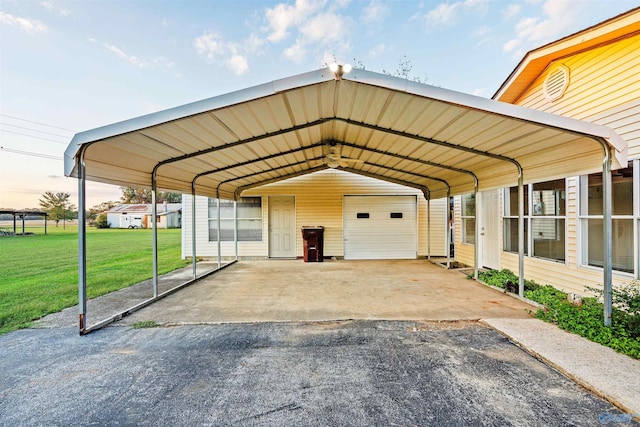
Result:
[625,218]
[249,220]
[468,210]
[544,223]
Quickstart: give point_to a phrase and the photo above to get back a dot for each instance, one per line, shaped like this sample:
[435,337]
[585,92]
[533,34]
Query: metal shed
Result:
[443,142]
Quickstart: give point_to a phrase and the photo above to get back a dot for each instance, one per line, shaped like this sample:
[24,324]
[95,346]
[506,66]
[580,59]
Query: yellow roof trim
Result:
[536,61]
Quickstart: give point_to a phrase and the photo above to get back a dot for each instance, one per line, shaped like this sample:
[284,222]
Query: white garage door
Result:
[380,227]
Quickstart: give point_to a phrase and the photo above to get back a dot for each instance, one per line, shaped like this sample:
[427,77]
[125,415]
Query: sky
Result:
[70,66]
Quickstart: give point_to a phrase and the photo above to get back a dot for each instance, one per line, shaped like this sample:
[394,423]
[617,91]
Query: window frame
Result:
[530,217]
[464,218]
[634,217]
[227,216]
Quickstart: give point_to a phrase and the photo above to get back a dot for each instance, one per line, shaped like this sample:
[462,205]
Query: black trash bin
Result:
[313,242]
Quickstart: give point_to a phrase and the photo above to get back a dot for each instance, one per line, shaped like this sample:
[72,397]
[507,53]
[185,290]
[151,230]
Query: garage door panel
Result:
[380,227]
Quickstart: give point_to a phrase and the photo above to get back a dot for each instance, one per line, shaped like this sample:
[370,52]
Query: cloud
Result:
[557,18]
[446,14]
[31,26]
[324,28]
[254,43]
[123,55]
[50,6]
[511,45]
[313,26]
[443,14]
[374,12]
[283,16]
[209,44]
[378,50]
[214,47]
[482,31]
[511,10]
[295,53]
[157,62]
[238,64]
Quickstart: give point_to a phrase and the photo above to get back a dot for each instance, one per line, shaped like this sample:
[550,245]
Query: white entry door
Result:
[380,227]
[282,227]
[490,229]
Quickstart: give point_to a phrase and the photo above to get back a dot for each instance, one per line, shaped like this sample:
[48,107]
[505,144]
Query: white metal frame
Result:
[612,145]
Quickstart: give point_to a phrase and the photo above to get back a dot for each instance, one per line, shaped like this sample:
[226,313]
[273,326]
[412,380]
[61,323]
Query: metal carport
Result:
[440,141]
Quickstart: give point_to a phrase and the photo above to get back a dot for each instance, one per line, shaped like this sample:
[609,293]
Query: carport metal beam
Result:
[425,190]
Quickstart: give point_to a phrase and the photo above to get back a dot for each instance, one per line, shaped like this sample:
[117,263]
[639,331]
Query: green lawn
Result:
[39,274]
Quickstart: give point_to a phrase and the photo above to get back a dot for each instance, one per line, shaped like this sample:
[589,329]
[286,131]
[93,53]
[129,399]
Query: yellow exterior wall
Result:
[318,201]
[604,88]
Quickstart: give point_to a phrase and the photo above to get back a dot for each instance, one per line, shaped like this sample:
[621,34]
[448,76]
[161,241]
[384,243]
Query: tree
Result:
[169,197]
[403,70]
[135,195]
[57,206]
[102,221]
[143,195]
[102,207]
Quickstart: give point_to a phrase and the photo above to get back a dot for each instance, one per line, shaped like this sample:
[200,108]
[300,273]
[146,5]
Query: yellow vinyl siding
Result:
[600,79]
[568,279]
[625,120]
[318,199]
[604,88]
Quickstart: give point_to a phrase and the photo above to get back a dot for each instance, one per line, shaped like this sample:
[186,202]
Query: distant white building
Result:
[169,215]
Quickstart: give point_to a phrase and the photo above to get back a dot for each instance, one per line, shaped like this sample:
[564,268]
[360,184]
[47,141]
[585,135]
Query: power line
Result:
[32,154]
[33,130]
[32,136]
[37,123]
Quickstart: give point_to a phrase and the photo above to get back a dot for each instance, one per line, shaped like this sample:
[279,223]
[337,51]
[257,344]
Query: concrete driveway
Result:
[276,291]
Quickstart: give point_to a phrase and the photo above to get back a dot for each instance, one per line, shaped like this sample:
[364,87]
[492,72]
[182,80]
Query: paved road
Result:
[358,373]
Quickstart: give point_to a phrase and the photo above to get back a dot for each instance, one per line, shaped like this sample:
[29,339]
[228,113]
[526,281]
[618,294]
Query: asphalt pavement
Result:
[355,373]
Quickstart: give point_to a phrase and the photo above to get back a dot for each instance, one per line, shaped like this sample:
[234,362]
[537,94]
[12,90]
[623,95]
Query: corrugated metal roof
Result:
[146,208]
[392,128]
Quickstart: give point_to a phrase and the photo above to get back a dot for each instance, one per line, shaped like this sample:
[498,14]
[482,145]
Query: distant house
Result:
[169,215]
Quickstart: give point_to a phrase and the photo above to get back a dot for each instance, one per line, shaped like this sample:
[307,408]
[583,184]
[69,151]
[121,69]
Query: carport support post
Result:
[607,237]
[429,228]
[520,232]
[476,250]
[154,234]
[235,226]
[82,244]
[448,227]
[219,238]
[193,229]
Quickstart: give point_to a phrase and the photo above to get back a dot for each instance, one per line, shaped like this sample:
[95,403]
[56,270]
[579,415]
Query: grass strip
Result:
[39,273]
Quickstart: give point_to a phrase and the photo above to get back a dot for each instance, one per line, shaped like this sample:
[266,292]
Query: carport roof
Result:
[398,130]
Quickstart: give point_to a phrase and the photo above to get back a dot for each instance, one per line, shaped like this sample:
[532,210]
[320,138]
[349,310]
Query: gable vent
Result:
[556,83]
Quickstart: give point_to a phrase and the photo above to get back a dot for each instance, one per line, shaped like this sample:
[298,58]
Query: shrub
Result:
[506,280]
[586,320]
[626,305]
[101,221]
